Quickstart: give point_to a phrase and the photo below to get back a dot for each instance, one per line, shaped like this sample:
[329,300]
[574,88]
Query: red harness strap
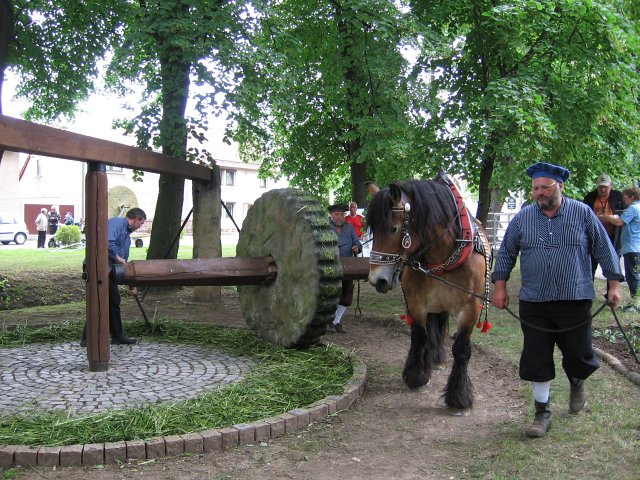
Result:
[466,231]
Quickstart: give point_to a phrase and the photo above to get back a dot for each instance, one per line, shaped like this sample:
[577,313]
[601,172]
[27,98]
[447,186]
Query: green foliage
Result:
[322,98]
[527,81]
[55,50]
[68,234]
[321,92]
[4,292]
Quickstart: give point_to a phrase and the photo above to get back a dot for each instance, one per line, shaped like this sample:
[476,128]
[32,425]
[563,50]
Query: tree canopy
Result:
[528,81]
[322,96]
[331,93]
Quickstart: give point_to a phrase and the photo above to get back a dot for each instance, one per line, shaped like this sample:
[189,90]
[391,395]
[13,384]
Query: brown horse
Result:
[424,237]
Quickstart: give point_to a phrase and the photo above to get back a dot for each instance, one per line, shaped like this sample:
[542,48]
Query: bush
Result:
[68,234]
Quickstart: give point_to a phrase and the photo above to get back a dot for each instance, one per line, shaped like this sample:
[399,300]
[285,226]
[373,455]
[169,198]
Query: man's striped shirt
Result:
[555,261]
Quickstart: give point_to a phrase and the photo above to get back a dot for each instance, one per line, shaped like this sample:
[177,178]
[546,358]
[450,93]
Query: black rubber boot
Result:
[541,421]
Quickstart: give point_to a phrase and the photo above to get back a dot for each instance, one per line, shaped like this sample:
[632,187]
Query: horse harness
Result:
[473,239]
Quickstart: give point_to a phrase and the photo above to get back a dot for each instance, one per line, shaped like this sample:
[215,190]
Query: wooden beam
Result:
[21,136]
[97,288]
[217,271]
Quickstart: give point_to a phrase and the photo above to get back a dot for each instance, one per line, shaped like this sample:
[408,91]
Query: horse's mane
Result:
[432,207]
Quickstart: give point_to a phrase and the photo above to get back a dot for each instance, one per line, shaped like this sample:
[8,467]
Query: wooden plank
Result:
[21,136]
[219,271]
[355,268]
[97,288]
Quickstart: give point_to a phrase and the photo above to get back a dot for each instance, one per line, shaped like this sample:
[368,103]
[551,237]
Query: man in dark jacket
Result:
[348,245]
[605,201]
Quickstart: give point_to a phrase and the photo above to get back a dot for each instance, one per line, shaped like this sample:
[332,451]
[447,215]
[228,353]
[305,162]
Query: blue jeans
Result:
[632,271]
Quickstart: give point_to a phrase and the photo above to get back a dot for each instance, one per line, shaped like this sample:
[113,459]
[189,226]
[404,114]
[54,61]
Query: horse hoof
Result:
[459,412]
[423,388]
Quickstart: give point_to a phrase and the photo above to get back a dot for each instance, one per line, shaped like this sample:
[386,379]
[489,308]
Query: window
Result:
[229,211]
[114,169]
[246,207]
[229,177]
[262,182]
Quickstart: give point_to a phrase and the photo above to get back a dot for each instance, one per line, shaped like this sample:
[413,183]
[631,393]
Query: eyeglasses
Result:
[543,188]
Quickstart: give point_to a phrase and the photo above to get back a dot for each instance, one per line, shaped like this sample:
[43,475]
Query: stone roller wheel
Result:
[292,227]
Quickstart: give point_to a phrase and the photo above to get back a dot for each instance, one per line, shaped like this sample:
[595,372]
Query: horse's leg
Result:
[417,367]
[437,324]
[459,391]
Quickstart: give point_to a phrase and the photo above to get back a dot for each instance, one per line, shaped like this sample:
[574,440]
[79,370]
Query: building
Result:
[31,182]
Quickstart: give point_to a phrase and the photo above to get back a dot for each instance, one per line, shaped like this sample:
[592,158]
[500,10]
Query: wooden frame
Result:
[21,136]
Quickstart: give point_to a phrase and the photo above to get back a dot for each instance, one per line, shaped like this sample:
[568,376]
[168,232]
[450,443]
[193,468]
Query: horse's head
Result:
[405,219]
[388,220]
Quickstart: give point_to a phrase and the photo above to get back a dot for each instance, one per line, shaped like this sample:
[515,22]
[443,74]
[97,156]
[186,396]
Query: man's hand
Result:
[500,295]
[613,294]
[133,291]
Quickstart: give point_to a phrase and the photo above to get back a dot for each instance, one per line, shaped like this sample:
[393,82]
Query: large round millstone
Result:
[296,308]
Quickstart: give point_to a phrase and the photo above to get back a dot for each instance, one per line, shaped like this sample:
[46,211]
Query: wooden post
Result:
[206,229]
[97,297]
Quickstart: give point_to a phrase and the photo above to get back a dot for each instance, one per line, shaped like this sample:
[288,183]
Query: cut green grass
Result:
[282,380]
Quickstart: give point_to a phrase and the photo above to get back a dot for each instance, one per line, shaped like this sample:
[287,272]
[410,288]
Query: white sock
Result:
[541,391]
[339,312]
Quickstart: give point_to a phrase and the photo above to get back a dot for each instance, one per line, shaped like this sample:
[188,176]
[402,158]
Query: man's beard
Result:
[548,204]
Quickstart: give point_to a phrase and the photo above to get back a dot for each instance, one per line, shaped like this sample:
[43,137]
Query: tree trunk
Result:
[6,32]
[206,230]
[484,193]
[173,138]
[358,177]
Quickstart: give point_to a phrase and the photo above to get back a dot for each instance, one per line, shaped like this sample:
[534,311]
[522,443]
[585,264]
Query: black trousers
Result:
[578,358]
[115,320]
[346,295]
[42,237]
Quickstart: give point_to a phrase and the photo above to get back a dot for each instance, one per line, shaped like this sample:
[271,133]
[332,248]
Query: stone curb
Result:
[207,441]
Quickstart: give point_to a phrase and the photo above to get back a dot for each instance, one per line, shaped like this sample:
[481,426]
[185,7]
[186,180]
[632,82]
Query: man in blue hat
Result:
[555,237]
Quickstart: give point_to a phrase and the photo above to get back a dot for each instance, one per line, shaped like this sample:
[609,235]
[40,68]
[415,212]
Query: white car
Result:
[12,230]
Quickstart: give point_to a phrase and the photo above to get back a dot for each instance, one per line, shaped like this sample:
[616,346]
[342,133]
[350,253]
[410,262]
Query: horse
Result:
[425,239]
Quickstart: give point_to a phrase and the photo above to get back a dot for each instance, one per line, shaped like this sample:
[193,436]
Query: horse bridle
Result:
[401,259]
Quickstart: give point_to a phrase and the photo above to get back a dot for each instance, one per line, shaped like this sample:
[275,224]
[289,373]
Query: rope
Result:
[535,327]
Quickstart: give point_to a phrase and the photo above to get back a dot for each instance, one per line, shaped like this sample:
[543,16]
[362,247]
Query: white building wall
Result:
[54,181]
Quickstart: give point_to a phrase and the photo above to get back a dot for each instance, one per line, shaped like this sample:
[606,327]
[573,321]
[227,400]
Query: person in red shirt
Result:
[355,219]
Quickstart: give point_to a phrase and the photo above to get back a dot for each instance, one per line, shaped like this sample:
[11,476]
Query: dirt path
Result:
[390,432]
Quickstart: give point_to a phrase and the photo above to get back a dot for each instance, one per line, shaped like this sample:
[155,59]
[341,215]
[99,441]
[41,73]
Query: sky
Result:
[96,114]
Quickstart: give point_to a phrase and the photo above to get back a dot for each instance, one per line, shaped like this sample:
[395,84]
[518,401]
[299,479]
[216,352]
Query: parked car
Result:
[12,230]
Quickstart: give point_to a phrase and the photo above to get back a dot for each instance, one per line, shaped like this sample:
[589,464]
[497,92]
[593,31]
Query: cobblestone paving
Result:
[49,377]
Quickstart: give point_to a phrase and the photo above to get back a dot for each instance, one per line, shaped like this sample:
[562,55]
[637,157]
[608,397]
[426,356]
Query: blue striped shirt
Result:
[555,261]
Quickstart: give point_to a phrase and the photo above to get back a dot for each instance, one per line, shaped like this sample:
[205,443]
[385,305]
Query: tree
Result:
[167,46]
[530,80]
[322,96]
[55,48]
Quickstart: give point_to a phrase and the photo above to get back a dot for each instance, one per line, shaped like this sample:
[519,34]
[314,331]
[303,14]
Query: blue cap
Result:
[548,170]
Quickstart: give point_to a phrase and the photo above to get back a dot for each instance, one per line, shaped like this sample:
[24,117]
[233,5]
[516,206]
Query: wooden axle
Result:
[218,271]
